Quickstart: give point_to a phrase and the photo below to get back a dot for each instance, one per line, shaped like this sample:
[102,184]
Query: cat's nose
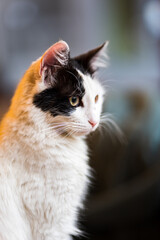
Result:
[93,123]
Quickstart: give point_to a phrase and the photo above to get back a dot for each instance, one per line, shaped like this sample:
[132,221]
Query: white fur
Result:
[44,175]
[91,110]
[101,59]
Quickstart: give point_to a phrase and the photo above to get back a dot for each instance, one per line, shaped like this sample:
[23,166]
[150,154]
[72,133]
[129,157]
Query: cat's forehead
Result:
[91,86]
[69,82]
[74,81]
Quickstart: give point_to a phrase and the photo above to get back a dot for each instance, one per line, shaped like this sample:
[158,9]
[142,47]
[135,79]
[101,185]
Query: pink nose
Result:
[92,123]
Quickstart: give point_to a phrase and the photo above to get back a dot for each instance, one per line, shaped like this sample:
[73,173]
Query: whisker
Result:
[108,123]
[70,123]
[52,127]
[63,127]
[106,115]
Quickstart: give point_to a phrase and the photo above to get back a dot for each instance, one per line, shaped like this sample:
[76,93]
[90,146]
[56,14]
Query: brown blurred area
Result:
[4,101]
[124,202]
[124,198]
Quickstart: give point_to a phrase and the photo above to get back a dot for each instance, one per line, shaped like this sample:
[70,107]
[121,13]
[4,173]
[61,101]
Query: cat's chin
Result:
[82,133]
[86,132]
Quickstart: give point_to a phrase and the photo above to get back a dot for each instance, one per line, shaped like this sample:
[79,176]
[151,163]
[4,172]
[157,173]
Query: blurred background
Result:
[124,199]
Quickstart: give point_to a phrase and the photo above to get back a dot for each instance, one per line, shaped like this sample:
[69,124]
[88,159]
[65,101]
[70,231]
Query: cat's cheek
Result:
[80,119]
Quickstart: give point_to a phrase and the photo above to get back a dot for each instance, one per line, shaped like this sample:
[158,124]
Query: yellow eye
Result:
[74,101]
[96,98]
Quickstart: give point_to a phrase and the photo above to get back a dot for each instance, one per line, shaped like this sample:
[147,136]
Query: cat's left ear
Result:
[55,57]
[94,59]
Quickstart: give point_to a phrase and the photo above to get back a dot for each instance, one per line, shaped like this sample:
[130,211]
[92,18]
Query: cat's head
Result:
[69,91]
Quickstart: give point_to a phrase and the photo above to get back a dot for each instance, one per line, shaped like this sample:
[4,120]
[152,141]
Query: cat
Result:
[44,170]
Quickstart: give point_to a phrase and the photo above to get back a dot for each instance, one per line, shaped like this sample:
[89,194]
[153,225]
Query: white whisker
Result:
[64,127]
[108,123]
[52,127]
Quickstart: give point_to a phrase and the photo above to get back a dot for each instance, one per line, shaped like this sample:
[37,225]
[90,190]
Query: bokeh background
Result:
[124,199]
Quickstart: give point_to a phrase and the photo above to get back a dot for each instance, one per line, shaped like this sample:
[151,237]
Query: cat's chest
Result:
[54,189]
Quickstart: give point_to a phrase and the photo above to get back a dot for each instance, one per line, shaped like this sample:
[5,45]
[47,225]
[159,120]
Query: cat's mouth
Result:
[87,131]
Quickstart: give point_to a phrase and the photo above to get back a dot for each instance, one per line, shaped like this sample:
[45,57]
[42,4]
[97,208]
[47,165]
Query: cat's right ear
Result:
[55,57]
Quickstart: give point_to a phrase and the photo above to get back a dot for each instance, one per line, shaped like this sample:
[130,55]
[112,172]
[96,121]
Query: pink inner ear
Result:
[55,52]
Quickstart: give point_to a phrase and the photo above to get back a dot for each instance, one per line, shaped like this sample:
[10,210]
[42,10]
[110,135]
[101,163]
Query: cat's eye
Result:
[74,101]
[96,98]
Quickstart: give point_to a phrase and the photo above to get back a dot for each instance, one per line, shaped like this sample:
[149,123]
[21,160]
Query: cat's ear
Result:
[94,59]
[55,57]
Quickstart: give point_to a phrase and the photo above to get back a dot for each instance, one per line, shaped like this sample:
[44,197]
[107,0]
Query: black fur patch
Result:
[56,98]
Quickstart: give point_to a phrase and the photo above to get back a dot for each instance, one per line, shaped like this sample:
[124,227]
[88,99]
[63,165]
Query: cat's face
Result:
[68,90]
[88,116]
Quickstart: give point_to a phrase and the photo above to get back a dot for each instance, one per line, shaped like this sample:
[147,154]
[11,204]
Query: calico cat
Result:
[43,155]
